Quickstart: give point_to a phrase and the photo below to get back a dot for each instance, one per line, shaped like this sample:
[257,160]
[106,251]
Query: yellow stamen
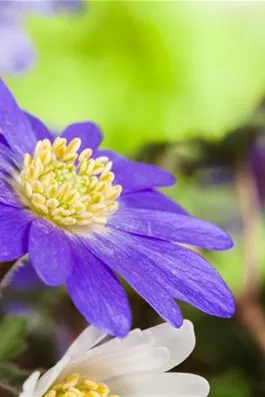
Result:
[75,386]
[67,188]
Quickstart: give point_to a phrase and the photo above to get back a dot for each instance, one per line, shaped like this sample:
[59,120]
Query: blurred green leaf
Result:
[149,71]
[13,375]
[230,264]
[229,384]
[216,203]
[12,335]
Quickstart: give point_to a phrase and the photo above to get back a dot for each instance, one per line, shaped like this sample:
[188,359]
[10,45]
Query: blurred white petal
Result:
[85,341]
[160,385]
[30,383]
[135,338]
[180,342]
[131,367]
[129,360]
[49,377]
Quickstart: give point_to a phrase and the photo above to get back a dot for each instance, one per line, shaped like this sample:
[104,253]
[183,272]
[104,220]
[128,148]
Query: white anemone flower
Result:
[135,366]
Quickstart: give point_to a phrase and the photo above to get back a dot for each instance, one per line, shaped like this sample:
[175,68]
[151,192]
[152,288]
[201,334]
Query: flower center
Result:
[75,386]
[66,187]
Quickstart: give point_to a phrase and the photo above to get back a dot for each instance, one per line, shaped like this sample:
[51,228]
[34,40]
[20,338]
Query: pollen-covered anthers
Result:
[67,187]
[75,386]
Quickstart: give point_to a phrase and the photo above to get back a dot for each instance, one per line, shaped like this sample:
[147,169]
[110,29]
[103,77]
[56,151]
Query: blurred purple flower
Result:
[24,277]
[21,279]
[59,203]
[17,51]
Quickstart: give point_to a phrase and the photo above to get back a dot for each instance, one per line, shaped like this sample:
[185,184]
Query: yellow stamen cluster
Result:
[66,187]
[75,386]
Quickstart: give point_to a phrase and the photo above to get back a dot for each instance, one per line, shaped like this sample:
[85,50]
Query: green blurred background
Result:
[182,85]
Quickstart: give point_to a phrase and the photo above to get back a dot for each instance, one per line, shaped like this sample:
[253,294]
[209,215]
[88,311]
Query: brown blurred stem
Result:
[5,268]
[7,391]
[168,160]
[249,308]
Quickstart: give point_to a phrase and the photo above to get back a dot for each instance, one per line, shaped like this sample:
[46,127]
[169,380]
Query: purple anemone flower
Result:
[86,216]
[17,51]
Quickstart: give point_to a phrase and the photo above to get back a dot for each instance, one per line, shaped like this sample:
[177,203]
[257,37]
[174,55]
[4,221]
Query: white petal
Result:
[127,361]
[179,341]
[29,384]
[159,385]
[49,377]
[135,338]
[88,338]
[85,341]
[138,338]
[118,357]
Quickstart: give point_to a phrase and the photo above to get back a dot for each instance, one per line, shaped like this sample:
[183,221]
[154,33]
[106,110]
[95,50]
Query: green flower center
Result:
[66,187]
